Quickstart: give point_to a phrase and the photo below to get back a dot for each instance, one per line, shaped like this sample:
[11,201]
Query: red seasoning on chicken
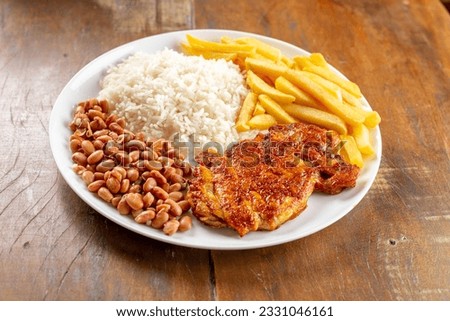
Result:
[263,182]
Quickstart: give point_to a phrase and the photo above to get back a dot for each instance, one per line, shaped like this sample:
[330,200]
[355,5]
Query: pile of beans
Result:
[142,177]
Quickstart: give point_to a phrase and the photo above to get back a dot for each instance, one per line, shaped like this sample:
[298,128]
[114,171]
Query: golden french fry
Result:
[220,47]
[372,119]
[246,112]
[318,59]
[362,139]
[262,48]
[348,114]
[301,97]
[302,61]
[349,86]
[259,110]
[317,117]
[264,67]
[274,109]
[187,49]
[259,86]
[288,62]
[262,121]
[332,87]
[350,151]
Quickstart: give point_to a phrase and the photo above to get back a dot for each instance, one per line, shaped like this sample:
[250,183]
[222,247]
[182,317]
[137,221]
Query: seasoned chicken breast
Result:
[263,182]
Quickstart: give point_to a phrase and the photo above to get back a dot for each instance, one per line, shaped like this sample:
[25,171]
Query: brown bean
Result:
[153,165]
[104,105]
[105,138]
[176,196]
[99,176]
[97,124]
[115,201]
[179,171]
[160,219]
[78,169]
[88,177]
[149,155]
[169,171]
[75,145]
[135,144]
[111,119]
[166,161]
[160,193]
[115,127]
[135,188]
[119,170]
[105,166]
[98,144]
[123,206]
[79,158]
[175,208]
[96,185]
[92,113]
[166,187]
[134,156]
[185,223]
[162,208]
[171,226]
[113,184]
[160,179]
[124,185]
[134,200]
[123,158]
[149,184]
[185,205]
[95,157]
[105,194]
[132,174]
[100,132]
[121,122]
[148,199]
[174,187]
[145,216]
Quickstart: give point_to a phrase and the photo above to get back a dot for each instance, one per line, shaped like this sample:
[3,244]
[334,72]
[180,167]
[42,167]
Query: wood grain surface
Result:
[394,245]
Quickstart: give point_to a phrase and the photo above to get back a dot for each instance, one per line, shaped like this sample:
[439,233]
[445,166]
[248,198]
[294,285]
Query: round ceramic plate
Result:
[322,211]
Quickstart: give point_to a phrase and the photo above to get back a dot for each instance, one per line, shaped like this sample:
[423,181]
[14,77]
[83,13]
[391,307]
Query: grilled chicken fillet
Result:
[261,183]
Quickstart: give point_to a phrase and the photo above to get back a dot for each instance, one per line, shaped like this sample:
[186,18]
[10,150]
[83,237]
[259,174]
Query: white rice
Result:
[167,92]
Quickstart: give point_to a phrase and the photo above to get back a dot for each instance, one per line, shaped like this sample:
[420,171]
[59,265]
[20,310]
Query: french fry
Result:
[187,49]
[349,115]
[301,97]
[262,48]
[349,86]
[330,100]
[263,67]
[262,121]
[274,109]
[302,61]
[246,112]
[259,110]
[239,49]
[318,59]
[350,151]
[362,139]
[372,119]
[317,117]
[332,87]
[259,86]
[288,62]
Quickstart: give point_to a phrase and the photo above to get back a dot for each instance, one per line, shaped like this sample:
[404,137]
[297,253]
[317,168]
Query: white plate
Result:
[322,211]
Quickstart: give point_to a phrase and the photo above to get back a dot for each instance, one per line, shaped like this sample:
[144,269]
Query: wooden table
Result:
[395,245]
